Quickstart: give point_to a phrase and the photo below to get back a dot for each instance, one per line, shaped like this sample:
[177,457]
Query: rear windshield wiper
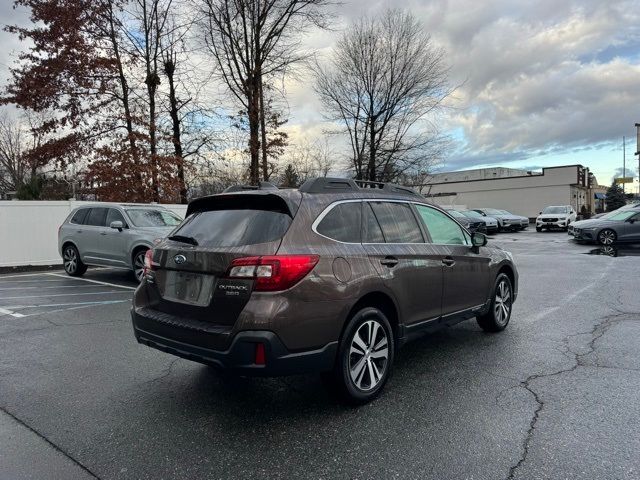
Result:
[183,239]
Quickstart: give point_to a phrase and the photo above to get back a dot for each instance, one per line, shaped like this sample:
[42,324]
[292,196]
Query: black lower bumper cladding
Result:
[240,356]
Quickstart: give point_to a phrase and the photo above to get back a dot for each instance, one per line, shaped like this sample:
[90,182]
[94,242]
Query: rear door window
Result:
[397,221]
[342,223]
[443,230]
[96,217]
[79,217]
[234,228]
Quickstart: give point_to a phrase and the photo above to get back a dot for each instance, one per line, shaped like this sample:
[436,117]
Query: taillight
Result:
[149,264]
[273,272]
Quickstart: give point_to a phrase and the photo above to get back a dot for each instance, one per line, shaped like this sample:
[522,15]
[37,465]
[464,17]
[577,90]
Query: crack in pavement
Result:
[597,332]
[50,443]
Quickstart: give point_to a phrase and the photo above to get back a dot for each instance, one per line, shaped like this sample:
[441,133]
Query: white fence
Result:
[29,230]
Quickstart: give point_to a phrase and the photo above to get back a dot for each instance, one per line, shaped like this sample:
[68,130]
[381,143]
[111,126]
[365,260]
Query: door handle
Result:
[448,261]
[389,261]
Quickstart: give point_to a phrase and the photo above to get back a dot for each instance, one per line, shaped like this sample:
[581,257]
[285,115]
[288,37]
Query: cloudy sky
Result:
[543,82]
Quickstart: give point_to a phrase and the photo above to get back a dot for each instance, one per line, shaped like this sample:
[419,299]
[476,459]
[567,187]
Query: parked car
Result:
[506,220]
[616,227]
[524,221]
[555,216]
[471,224]
[332,277]
[491,224]
[112,235]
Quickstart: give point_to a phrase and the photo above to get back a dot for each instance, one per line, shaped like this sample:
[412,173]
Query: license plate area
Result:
[186,287]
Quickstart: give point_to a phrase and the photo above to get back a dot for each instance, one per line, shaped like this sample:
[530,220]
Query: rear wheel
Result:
[499,314]
[365,357]
[607,237]
[138,264]
[72,263]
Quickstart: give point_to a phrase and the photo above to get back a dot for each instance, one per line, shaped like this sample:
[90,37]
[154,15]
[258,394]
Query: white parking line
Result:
[61,286]
[61,295]
[5,311]
[92,281]
[30,281]
[99,302]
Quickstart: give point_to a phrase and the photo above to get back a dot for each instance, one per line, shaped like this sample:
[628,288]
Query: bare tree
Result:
[251,41]
[384,81]
[14,167]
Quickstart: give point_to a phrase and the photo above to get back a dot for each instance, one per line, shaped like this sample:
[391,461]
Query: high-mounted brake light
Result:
[273,272]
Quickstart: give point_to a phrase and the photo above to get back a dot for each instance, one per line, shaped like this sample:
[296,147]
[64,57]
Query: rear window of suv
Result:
[234,228]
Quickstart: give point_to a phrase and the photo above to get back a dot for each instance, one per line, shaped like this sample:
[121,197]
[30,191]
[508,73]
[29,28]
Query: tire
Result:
[538,229]
[138,263]
[71,261]
[358,376]
[607,237]
[499,314]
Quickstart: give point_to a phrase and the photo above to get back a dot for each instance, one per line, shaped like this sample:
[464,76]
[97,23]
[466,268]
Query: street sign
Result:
[624,180]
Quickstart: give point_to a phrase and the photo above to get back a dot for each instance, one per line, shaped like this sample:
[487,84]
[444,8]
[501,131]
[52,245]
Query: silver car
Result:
[112,235]
[616,227]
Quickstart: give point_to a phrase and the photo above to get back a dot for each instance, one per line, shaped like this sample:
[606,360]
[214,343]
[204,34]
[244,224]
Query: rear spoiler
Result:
[244,201]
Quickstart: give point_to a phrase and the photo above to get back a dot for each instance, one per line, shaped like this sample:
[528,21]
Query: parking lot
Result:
[557,395]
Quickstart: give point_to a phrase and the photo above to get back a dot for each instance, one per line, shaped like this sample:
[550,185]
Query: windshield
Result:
[146,217]
[555,210]
[624,215]
[472,214]
[493,211]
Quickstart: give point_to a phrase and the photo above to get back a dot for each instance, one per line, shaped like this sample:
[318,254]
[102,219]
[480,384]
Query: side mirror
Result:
[540,213]
[117,225]
[478,239]
[632,220]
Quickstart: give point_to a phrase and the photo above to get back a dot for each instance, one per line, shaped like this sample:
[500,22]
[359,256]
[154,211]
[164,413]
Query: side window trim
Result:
[412,203]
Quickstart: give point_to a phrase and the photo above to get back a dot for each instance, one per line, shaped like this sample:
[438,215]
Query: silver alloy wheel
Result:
[70,260]
[138,264]
[368,355]
[502,304]
[607,237]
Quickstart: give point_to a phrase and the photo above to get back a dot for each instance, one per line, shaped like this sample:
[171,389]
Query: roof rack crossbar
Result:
[328,184]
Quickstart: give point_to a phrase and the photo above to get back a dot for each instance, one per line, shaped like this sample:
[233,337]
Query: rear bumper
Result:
[239,357]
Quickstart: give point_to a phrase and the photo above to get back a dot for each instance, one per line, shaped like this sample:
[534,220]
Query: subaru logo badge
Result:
[179,259]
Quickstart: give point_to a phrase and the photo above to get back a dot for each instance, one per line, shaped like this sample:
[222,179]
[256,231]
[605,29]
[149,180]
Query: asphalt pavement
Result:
[555,396]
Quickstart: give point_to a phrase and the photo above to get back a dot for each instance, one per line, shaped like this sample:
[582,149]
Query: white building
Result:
[518,191]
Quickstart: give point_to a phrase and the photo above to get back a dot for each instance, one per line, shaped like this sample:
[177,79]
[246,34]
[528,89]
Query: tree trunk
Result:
[263,131]
[175,121]
[254,131]
[372,148]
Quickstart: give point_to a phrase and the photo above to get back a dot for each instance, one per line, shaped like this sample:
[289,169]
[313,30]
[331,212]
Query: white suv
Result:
[556,216]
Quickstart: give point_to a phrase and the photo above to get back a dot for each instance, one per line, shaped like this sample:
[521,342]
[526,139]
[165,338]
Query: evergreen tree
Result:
[615,197]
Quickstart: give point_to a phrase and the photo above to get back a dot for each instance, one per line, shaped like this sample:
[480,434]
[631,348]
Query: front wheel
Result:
[499,314]
[365,356]
[538,229]
[72,263]
[607,237]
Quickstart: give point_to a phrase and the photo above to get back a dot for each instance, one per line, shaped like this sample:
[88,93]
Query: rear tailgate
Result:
[190,280]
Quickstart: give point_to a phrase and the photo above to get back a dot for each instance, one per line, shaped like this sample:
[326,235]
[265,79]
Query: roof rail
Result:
[260,186]
[333,185]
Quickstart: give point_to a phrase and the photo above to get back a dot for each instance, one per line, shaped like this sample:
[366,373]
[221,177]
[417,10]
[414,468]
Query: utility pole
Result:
[638,152]
[624,162]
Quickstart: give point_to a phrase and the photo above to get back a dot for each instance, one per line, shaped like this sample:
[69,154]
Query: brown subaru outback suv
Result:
[332,277]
